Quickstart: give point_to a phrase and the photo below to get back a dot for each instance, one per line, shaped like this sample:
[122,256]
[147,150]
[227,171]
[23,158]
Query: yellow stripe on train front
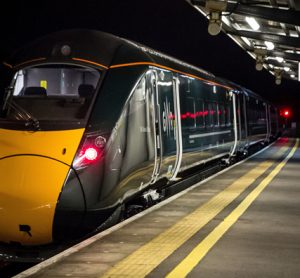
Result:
[33,168]
[60,145]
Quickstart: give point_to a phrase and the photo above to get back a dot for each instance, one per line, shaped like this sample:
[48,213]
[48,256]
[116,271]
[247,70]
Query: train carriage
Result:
[91,121]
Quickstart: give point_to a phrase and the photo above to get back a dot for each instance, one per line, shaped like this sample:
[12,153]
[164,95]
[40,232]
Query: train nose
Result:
[29,189]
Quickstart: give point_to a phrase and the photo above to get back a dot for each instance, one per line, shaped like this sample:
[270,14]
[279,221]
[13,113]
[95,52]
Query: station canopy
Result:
[268,30]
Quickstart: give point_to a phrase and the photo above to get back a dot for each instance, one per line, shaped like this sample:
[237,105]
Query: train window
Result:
[228,115]
[207,115]
[200,113]
[214,112]
[53,92]
[252,116]
[188,112]
[221,113]
[58,80]
[187,103]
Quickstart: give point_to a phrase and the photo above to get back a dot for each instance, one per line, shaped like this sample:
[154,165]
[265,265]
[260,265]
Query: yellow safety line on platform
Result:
[146,258]
[199,252]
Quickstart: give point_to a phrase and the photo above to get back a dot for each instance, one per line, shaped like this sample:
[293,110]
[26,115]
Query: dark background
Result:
[170,26]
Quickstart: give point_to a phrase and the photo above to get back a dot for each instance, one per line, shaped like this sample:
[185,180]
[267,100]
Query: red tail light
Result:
[285,113]
[90,150]
[91,154]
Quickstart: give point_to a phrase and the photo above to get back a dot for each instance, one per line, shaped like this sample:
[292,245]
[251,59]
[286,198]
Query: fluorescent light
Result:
[279,59]
[252,22]
[246,41]
[294,34]
[226,20]
[270,45]
[286,68]
[293,75]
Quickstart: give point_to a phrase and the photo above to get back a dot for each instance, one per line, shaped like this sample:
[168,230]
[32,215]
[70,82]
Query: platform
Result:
[242,222]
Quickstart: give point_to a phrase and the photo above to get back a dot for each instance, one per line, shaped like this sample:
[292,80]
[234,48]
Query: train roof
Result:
[98,47]
[240,88]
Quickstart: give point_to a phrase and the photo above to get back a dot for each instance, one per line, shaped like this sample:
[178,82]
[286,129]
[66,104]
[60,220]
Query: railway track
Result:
[10,269]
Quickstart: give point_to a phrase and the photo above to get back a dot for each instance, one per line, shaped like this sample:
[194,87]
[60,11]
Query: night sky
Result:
[169,26]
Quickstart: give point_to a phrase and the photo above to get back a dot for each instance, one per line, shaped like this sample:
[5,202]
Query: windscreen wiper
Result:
[22,114]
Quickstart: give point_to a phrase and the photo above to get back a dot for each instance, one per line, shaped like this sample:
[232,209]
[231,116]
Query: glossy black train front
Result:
[91,121]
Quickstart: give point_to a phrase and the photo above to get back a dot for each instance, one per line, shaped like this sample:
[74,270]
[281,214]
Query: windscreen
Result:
[56,92]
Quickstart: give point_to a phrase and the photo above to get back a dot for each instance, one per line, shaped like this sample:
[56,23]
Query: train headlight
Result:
[65,50]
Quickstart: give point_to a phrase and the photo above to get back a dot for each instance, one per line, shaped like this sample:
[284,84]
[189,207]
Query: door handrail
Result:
[157,128]
[179,148]
[233,151]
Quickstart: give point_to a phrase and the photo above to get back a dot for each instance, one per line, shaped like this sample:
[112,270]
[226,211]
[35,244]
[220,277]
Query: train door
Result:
[136,150]
[153,115]
[170,123]
[235,123]
[242,121]
[268,122]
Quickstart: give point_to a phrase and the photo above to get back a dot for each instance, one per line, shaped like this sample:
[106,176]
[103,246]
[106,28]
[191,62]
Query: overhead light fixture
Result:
[259,64]
[215,23]
[286,68]
[270,45]
[253,23]
[260,58]
[293,75]
[278,76]
[279,59]
[215,9]
[278,80]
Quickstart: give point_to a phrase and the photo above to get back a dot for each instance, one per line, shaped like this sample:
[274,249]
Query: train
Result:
[92,121]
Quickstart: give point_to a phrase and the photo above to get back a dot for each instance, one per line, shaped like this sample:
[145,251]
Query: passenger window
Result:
[221,113]
[187,103]
[214,113]
[228,115]
[200,114]
[206,114]
[188,112]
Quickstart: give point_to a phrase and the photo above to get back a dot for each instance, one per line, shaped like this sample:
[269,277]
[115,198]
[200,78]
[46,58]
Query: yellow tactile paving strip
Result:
[199,252]
[145,259]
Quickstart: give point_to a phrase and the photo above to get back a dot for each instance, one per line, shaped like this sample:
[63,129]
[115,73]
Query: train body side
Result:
[150,119]
[143,146]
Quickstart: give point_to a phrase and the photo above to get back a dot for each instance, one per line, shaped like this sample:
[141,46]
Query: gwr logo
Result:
[168,118]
